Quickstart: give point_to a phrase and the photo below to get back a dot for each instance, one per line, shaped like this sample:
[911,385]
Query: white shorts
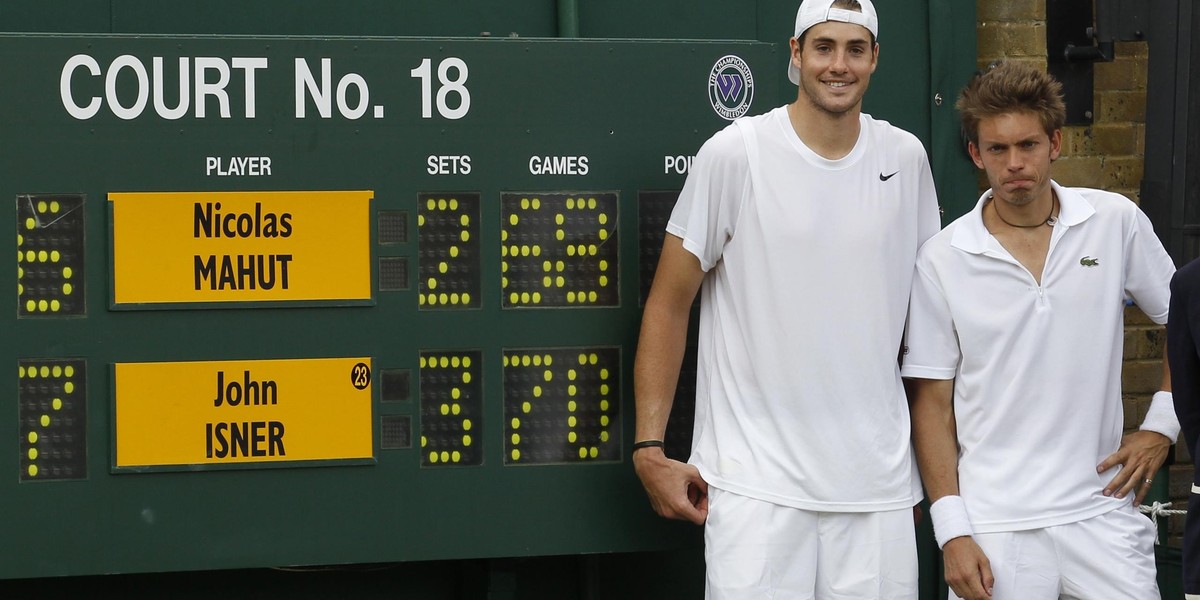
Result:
[1110,556]
[756,550]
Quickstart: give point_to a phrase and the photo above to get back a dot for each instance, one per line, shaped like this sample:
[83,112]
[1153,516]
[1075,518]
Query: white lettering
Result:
[558,165]
[217,88]
[448,165]
[143,87]
[249,65]
[363,96]
[64,87]
[319,94]
[160,106]
[155,82]
[677,164]
[237,166]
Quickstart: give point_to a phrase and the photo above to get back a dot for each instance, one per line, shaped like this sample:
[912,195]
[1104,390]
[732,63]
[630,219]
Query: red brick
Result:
[1141,377]
[1144,343]
[1120,74]
[1000,40]
[1121,106]
[1131,50]
[1116,139]
[1078,141]
[1078,171]
[1123,172]
[1135,316]
[1010,10]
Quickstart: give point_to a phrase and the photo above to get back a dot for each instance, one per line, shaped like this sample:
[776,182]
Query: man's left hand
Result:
[1140,455]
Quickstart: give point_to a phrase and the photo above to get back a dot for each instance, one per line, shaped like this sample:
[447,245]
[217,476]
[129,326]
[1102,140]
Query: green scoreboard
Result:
[297,301]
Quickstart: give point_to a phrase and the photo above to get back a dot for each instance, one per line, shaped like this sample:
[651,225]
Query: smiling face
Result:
[1016,153]
[835,62]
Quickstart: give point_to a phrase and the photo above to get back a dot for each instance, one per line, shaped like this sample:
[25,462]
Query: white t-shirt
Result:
[1037,369]
[798,397]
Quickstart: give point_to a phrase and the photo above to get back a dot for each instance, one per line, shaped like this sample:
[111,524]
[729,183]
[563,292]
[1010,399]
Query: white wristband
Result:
[1161,417]
[950,519]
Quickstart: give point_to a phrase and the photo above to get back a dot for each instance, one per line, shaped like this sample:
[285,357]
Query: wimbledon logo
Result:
[730,87]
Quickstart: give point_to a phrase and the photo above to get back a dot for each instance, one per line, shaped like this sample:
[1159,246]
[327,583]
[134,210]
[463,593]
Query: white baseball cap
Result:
[814,12]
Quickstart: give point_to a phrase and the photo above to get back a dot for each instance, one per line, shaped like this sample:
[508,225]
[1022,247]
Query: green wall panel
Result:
[952,64]
[675,19]
[903,65]
[927,48]
[625,106]
[64,16]
[526,18]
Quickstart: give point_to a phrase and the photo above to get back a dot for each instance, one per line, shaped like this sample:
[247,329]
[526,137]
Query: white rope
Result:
[1159,508]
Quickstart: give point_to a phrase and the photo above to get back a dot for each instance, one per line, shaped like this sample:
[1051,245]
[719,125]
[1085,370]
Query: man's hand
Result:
[1140,455]
[967,569]
[676,489]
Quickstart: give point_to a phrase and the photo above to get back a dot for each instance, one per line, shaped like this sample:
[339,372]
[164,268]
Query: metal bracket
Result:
[1075,41]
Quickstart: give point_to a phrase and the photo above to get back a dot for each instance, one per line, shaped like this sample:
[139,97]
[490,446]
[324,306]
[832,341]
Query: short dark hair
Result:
[1010,86]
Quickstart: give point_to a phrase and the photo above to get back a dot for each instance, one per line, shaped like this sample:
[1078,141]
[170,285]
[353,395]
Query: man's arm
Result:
[935,438]
[1148,274]
[676,489]
[1142,452]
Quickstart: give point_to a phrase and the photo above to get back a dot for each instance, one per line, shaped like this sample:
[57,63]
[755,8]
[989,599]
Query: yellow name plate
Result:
[250,411]
[213,247]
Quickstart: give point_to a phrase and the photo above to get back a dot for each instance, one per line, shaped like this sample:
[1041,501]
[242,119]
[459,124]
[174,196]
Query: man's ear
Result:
[976,157]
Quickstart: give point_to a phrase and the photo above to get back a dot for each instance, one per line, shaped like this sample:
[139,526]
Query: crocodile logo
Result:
[1088,261]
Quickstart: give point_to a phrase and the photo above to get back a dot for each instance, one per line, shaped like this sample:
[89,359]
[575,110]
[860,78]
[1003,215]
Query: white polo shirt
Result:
[1037,368]
[798,395]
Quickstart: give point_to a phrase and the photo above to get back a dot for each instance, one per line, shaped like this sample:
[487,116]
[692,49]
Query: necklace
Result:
[1051,220]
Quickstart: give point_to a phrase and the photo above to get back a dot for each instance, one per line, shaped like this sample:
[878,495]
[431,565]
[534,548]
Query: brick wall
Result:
[1108,154]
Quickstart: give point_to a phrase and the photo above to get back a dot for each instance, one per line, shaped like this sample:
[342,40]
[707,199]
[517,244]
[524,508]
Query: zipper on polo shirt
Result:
[1001,254]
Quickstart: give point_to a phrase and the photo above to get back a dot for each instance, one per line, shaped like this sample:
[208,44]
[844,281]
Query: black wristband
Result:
[648,444]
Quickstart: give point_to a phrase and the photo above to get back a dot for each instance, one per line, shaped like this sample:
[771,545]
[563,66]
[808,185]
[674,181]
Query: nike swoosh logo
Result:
[883,177]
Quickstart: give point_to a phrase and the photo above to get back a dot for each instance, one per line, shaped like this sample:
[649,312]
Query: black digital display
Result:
[561,405]
[654,210]
[50,255]
[52,412]
[558,249]
[448,265]
[451,408]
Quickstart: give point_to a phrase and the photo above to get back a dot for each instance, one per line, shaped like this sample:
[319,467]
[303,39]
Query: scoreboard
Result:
[300,301]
